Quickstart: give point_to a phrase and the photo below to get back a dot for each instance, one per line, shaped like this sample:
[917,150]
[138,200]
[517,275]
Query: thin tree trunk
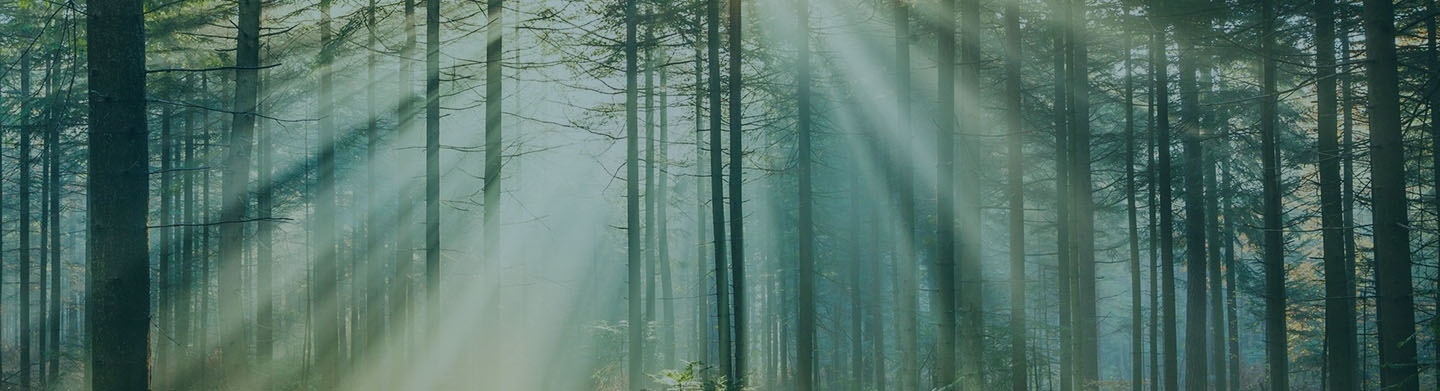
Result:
[1231,312]
[1196,367]
[117,260]
[1086,322]
[236,190]
[971,301]
[164,348]
[1340,347]
[1062,193]
[1167,218]
[667,283]
[432,170]
[636,358]
[1015,150]
[27,129]
[55,229]
[401,299]
[327,341]
[737,214]
[1395,312]
[1136,351]
[494,151]
[371,347]
[945,198]
[906,268]
[184,311]
[265,325]
[1151,174]
[1277,352]
[717,195]
[806,354]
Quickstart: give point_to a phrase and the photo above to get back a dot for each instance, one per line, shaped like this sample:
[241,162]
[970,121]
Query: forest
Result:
[720,195]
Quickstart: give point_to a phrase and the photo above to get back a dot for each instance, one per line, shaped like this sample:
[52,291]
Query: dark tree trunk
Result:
[27,129]
[906,268]
[432,169]
[236,190]
[1196,367]
[945,197]
[326,296]
[117,260]
[636,333]
[1015,168]
[1395,310]
[1060,112]
[805,313]
[1277,353]
[1136,350]
[717,195]
[1086,335]
[1340,347]
[737,214]
[1151,174]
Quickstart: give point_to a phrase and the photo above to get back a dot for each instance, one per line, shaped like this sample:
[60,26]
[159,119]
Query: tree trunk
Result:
[401,298]
[1151,174]
[1277,352]
[1228,237]
[164,355]
[373,341]
[432,169]
[945,197]
[805,342]
[27,129]
[327,341]
[117,261]
[1395,310]
[632,207]
[55,268]
[737,214]
[1196,367]
[667,283]
[1340,347]
[1136,351]
[1015,149]
[236,189]
[1086,336]
[265,324]
[185,296]
[717,195]
[1062,193]
[907,286]
[494,151]
[1167,217]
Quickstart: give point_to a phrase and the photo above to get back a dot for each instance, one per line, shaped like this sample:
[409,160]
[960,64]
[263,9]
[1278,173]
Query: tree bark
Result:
[1196,367]
[1277,352]
[1015,168]
[117,260]
[906,268]
[805,313]
[1340,346]
[1395,310]
[636,367]
[235,188]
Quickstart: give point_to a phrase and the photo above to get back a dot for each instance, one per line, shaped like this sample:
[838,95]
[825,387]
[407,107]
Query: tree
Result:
[1277,353]
[326,296]
[632,207]
[805,356]
[117,260]
[945,196]
[236,197]
[907,286]
[1136,351]
[1167,219]
[27,131]
[1340,348]
[1015,148]
[1394,302]
[1187,32]
[737,197]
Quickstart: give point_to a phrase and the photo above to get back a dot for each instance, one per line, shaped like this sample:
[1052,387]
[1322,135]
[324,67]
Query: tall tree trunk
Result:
[1210,123]
[265,324]
[432,169]
[945,197]
[327,327]
[56,192]
[1015,168]
[27,129]
[235,188]
[702,296]
[856,378]
[652,271]
[667,283]
[717,195]
[636,328]
[401,300]
[971,301]
[1340,347]
[1432,59]
[1060,107]
[806,354]
[1086,322]
[164,356]
[1277,353]
[1196,367]
[117,260]
[371,348]
[1395,310]
[1136,351]
[1167,219]
[1228,236]
[737,214]
[185,296]
[1151,175]
[494,151]
[907,286]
